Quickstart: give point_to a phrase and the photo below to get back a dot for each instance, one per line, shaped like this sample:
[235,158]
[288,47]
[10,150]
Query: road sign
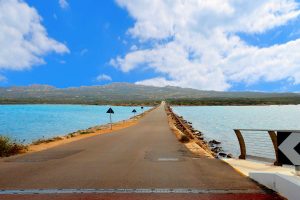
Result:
[134,111]
[110,111]
[288,148]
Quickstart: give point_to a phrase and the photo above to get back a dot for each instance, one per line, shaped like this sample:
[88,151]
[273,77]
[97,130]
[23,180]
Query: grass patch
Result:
[40,141]
[85,132]
[9,147]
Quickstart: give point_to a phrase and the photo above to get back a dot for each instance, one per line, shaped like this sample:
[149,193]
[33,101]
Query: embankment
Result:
[193,138]
[184,132]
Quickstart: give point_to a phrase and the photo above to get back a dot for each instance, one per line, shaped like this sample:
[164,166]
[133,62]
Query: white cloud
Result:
[63,4]
[103,77]
[158,82]
[83,52]
[55,16]
[195,43]
[23,39]
[2,78]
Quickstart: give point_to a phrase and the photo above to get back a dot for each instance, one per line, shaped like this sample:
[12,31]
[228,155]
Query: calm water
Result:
[218,122]
[31,122]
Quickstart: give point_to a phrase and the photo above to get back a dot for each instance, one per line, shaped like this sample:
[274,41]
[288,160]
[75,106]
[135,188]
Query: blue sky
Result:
[210,46]
[94,32]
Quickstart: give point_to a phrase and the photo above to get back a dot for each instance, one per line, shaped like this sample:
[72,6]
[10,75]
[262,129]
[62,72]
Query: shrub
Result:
[9,147]
[48,140]
[184,138]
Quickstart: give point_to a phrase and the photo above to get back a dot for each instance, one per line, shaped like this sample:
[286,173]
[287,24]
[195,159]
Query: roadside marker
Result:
[289,149]
[110,111]
[134,111]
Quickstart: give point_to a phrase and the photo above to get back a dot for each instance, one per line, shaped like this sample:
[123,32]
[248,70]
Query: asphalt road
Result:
[146,155]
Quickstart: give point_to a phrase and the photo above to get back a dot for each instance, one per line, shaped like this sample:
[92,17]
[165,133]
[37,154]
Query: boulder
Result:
[214,142]
[216,149]
[222,154]
[200,137]
[229,155]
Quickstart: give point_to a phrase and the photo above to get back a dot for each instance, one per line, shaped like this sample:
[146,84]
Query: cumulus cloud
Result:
[196,44]
[103,77]
[2,78]
[63,4]
[23,39]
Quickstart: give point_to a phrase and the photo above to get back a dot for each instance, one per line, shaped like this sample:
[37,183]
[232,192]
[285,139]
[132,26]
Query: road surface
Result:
[145,156]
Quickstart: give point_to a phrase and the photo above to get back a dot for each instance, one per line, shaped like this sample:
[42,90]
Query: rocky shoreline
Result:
[213,147]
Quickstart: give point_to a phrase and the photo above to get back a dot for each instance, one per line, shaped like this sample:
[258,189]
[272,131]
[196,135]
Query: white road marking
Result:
[167,159]
[121,191]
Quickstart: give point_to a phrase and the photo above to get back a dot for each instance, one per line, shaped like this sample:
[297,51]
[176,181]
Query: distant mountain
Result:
[120,93]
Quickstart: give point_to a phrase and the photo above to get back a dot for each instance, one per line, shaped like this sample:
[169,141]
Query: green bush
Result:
[9,147]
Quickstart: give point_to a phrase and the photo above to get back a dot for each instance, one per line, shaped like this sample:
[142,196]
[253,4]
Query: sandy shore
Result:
[81,134]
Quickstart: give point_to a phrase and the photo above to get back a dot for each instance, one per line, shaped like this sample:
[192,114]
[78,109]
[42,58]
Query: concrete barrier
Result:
[286,185]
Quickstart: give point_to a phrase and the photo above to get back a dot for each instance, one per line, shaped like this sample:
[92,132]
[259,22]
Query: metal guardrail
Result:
[272,135]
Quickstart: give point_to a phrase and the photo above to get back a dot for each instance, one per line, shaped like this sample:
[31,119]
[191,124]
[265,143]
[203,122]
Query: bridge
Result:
[144,161]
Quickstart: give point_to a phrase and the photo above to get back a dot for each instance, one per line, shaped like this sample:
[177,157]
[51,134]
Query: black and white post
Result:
[289,149]
[134,111]
[110,111]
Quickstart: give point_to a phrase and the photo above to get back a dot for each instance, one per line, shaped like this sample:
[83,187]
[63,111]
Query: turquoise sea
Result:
[218,122]
[32,122]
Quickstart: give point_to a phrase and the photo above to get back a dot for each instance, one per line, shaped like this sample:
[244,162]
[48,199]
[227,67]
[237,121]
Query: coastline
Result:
[187,136]
[232,105]
[194,139]
[43,144]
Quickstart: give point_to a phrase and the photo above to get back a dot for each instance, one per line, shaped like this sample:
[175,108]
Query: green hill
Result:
[126,93]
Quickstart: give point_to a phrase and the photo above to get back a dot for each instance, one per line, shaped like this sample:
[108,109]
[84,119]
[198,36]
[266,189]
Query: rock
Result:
[214,142]
[222,154]
[200,137]
[229,155]
[216,149]
[199,134]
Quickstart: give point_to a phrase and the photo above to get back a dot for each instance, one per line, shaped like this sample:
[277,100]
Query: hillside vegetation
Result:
[130,94]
